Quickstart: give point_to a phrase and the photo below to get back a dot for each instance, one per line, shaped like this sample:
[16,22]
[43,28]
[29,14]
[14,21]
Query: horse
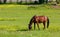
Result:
[38,19]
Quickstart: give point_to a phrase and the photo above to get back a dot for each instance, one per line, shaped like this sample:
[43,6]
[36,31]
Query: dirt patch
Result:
[57,6]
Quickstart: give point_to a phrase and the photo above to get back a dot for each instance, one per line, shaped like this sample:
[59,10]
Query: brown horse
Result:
[38,19]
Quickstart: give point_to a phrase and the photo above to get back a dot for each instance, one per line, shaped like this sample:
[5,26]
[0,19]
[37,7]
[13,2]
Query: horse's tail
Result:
[47,22]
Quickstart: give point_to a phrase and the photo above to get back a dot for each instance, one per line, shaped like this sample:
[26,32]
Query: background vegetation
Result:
[29,1]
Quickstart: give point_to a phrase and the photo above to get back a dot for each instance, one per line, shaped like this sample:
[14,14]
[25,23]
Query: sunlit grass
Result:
[14,20]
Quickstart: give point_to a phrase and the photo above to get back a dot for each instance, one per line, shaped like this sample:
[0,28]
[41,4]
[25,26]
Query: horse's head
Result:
[29,26]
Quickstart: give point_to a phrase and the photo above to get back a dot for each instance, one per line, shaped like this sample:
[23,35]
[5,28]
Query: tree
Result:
[10,1]
[4,1]
[30,1]
[41,1]
[26,1]
[57,1]
[17,1]
[36,2]
[0,2]
[46,1]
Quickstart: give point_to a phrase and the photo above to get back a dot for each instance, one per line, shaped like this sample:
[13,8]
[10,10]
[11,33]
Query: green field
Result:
[14,20]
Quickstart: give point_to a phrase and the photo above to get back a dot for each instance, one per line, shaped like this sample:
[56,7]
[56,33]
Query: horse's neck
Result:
[31,22]
[32,19]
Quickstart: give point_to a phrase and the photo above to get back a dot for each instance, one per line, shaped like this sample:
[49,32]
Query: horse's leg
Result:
[38,26]
[34,26]
[44,25]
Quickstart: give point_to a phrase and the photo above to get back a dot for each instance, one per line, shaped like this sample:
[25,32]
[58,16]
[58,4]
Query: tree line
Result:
[36,2]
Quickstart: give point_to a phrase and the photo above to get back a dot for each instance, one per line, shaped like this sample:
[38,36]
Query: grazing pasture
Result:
[14,20]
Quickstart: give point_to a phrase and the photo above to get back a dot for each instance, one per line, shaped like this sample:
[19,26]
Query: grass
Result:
[14,20]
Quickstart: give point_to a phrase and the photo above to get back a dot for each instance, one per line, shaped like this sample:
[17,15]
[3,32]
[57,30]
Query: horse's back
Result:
[41,18]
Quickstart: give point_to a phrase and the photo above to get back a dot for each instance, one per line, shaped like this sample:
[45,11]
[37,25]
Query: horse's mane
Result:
[32,19]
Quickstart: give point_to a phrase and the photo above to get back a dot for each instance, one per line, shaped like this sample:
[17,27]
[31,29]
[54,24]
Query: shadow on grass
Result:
[27,30]
[23,30]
